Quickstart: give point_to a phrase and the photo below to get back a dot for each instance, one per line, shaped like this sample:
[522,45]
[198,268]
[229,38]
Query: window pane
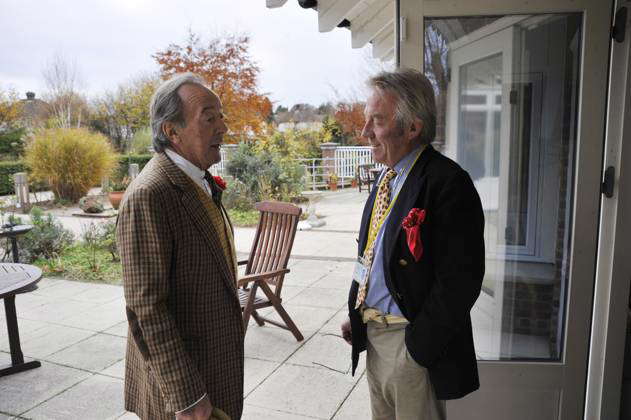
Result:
[506,91]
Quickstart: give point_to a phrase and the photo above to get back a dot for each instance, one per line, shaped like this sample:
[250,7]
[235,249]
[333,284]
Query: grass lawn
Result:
[79,263]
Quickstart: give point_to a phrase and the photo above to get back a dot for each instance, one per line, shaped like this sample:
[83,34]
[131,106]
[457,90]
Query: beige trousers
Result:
[399,387]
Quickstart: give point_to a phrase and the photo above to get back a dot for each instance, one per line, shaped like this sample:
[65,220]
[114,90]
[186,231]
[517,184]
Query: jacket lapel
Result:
[410,191]
[195,208]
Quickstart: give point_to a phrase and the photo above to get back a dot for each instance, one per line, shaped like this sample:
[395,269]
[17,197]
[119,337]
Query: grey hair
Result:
[415,99]
[166,106]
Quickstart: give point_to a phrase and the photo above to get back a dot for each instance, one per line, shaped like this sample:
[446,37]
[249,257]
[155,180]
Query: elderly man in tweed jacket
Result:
[185,341]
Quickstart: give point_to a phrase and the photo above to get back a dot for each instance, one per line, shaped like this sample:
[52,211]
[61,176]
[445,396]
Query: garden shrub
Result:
[266,175]
[125,160]
[7,169]
[12,143]
[140,143]
[236,196]
[48,238]
[72,160]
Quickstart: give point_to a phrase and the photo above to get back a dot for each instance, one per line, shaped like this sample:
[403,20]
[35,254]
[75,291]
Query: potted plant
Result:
[333,181]
[116,190]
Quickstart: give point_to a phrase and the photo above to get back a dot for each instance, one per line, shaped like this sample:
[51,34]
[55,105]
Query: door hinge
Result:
[619,25]
[609,181]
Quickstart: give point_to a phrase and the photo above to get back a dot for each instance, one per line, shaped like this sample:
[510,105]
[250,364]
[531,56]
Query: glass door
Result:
[521,92]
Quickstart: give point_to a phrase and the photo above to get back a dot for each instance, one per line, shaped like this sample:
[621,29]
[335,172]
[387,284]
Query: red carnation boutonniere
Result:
[219,182]
[412,225]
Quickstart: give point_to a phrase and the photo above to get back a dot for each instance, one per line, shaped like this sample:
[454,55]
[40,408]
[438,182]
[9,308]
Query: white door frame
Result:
[570,372]
[613,264]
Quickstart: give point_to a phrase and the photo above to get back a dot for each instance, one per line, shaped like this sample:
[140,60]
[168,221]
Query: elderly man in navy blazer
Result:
[421,260]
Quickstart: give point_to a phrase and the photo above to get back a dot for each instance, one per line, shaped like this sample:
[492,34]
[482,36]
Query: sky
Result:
[111,42]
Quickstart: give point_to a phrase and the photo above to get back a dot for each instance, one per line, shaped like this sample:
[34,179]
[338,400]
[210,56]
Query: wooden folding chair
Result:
[267,264]
[364,177]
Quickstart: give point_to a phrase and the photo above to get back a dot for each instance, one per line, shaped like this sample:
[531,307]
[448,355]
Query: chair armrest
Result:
[242,262]
[260,276]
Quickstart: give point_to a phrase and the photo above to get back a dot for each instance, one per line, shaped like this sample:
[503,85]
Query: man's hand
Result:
[346,330]
[200,411]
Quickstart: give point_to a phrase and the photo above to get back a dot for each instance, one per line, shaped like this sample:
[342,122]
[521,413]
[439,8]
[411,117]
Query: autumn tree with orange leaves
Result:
[226,66]
[351,117]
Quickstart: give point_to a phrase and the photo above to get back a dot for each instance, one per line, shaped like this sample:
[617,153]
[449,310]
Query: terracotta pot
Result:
[333,186]
[115,198]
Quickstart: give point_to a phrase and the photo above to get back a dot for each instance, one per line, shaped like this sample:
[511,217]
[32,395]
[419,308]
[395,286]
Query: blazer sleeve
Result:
[458,263]
[146,245]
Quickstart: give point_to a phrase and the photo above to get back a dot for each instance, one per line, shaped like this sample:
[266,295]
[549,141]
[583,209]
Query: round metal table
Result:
[14,279]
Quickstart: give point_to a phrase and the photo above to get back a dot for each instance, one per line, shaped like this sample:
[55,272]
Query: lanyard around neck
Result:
[372,233]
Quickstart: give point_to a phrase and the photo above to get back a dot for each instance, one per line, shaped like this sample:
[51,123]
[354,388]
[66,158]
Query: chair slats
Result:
[270,251]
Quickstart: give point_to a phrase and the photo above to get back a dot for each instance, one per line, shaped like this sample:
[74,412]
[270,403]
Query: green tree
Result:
[123,113]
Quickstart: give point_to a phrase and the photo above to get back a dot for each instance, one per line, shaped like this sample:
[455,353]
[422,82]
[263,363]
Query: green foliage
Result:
[244,218]
[140,143]
[72,160]
[12,143]
[125,160]
[74,264]
[294,144]
[332,131]
[236,196]
[47,240]
[266,174]
[107,239]
[7,169]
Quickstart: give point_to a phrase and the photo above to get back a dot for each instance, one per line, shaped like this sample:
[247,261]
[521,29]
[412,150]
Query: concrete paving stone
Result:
[98,397]
[289,291]
[51,339]
[292,389]
[320,298]
[251,412]
[28,301]
[308,318]
[357,405]
[56,310]
[256,371]
[27,329]
[97,318]
[94,354]
[25,390]
[324,351]
[335,281]
[301,278]
[99,293]
[311,265]
[272,343]
[5,417]
[333,326]
[116,370]
[46,282]
[64,289]
[119,329]
[128,416]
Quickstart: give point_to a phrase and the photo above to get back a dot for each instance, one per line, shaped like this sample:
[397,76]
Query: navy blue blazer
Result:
[436,293]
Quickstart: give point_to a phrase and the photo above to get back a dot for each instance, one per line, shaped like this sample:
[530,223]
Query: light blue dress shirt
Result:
[378,296]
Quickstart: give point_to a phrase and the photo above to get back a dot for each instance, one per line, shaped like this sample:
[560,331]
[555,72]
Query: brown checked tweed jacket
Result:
[185,329]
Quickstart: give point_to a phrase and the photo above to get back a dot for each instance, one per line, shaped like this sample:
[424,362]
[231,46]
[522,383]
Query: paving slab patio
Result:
[78,331]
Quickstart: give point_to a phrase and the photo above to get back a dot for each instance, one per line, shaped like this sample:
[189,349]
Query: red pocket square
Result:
[412,225]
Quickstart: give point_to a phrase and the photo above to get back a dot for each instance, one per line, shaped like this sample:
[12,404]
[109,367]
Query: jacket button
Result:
[402,262]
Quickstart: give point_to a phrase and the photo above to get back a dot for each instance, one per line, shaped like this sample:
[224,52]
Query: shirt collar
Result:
[407,160]
[186,166]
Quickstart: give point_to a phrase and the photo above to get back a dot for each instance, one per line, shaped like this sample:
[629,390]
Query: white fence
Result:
[347,159]
[343,164]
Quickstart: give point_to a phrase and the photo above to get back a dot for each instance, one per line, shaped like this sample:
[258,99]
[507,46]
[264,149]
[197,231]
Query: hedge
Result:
[7,169]
[125,160]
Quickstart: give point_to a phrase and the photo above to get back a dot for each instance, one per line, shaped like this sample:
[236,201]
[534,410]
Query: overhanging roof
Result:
[371,21]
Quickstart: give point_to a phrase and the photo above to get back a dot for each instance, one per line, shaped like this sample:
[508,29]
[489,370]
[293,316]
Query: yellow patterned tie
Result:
[382,202]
